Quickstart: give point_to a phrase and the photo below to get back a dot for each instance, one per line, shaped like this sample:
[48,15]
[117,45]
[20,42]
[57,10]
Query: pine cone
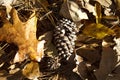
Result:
[64,37]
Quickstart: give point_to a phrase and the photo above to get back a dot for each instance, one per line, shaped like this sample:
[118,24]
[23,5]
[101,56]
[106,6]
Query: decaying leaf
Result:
[91,56]
[95,50]
[7,4]
[98,31]
[47,37]
[117,31]
[44,2]
[72,11]
[106,3]
[107,63]
[23,34]
[117,48]
[85,73]
[50,48]
[31,70]
[89,49]
[117,4]
[88,6]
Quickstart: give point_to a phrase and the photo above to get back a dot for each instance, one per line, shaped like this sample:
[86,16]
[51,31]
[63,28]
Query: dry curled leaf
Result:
[23,34]
[106,3]
[117,48]
[72,11]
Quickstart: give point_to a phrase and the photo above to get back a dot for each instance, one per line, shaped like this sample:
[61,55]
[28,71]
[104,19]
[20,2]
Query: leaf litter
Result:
[28,50]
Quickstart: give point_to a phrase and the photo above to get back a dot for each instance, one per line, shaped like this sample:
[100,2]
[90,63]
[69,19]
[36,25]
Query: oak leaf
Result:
[23,34]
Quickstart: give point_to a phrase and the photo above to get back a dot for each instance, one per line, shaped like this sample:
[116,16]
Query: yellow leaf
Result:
[98,12]
[98,31]
[31,70]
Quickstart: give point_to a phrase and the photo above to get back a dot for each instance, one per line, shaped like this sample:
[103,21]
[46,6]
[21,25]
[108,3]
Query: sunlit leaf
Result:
[117,48]
[22,34]
[117,4]
[98,12]
[31,70]
[50,48]
[71,10]
[98,31]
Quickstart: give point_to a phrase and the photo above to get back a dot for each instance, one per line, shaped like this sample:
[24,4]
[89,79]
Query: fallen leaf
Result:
[50,48]
[117,4]
[105,3]
[85,72]
[91,56]
[31,70]
[86,4]
[107,64]
[47,37]
[98,12]
[44,2]
[22,34]
[117,31]
[7,4]
[72,11]
[117,48]
[98,31]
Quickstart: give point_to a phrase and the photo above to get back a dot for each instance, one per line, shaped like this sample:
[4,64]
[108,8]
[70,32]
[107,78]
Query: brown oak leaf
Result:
[23,34]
